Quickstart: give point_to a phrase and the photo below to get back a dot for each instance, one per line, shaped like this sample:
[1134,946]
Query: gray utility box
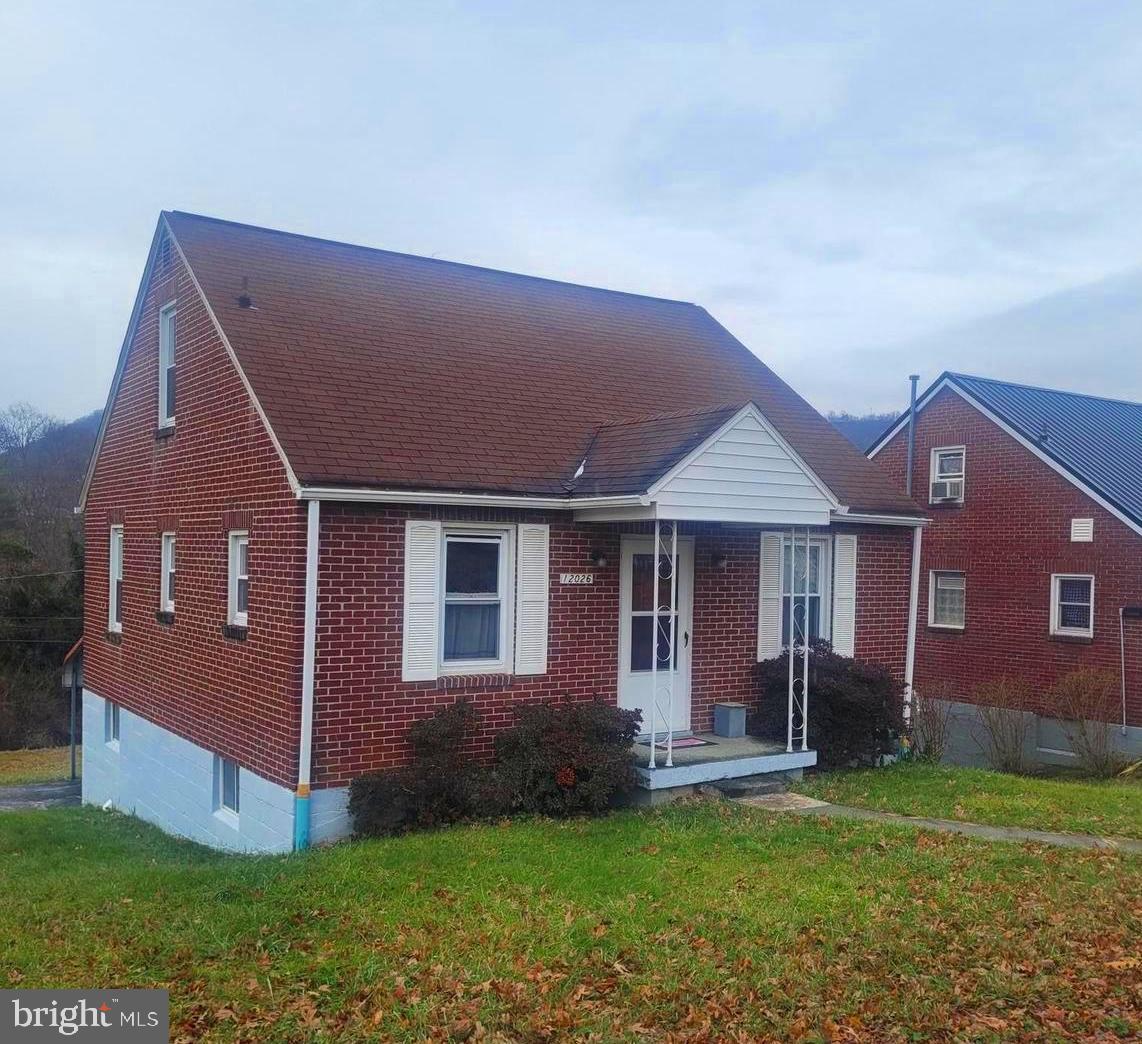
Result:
[729,720]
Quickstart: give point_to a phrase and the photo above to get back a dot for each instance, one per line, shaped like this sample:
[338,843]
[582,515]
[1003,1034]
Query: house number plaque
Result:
[576,578]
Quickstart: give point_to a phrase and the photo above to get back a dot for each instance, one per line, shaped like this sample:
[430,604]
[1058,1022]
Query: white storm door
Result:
[636,633]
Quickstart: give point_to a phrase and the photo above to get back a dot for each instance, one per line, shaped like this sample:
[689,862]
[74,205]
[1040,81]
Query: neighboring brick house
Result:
[1032,564]
[338,488]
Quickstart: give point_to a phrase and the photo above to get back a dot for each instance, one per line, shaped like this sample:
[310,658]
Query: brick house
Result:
[1032,563]
[337,488]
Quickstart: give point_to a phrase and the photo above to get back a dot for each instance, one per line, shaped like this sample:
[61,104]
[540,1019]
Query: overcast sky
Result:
[853,189]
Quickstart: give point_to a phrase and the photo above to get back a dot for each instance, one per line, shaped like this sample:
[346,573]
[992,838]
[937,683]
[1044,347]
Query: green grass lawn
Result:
[700,921]
[1110,807]
[36,766]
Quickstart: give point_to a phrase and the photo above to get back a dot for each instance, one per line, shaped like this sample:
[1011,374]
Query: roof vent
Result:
[1043,433]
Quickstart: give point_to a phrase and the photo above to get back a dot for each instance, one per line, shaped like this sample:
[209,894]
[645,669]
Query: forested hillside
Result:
[42,462]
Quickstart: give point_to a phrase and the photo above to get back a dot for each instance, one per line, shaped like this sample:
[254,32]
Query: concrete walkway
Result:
[800,805]
[39,795]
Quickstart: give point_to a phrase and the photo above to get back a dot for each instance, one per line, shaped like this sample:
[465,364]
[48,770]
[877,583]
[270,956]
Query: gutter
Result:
[404,496]
[308,659]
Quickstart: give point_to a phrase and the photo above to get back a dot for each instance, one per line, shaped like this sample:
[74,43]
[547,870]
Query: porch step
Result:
[750,786]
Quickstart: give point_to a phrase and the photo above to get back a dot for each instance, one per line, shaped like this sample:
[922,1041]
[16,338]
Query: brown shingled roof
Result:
[400,372]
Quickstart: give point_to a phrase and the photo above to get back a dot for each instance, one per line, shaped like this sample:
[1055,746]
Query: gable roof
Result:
[388,371]
[1095,442]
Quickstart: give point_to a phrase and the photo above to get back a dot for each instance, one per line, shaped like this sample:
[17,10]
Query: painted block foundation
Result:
[170,782]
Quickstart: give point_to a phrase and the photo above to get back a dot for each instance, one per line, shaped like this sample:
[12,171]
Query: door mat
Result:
[685,741]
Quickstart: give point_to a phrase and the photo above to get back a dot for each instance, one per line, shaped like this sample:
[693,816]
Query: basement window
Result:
[167,325]
[1072,605]
[946,601]
[227,780]
[111,723]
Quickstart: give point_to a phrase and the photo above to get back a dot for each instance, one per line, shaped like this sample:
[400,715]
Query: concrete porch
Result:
[716,759]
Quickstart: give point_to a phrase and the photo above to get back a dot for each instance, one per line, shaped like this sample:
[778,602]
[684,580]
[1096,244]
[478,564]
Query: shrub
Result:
[1085,702]
[931,719]
[855,708]
[1003,709]
[440,785]
[563,759]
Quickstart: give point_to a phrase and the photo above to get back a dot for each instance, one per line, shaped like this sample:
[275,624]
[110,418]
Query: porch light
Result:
[719,560]
[599,558]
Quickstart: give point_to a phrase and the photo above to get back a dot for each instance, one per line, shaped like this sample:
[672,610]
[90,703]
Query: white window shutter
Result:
[769,598]
[844,593]
[421,655]
[532,575]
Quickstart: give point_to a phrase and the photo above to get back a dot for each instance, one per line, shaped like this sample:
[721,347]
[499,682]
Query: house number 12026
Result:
[576,578]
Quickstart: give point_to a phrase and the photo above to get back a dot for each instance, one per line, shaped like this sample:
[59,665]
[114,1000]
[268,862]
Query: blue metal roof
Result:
[1099,441]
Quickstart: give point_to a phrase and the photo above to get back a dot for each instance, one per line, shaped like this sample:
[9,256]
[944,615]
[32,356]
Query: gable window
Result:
[115,593]
[166,365]
[947,472]
[1072,605]
[475,600]
[946,602]
[111,723]
[239,582]
[226,785]
[166,596]
[816,579]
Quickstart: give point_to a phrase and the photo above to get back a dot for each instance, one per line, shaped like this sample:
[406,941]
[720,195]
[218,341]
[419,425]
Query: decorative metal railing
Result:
[798,717]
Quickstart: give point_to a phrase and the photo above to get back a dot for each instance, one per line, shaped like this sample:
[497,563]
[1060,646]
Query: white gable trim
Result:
[748,410]
[1027,444]
[121,365]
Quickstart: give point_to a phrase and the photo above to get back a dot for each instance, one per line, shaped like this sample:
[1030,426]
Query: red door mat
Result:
[685,741]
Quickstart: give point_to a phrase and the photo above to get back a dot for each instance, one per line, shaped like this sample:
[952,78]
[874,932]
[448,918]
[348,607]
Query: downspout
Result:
[913,604]
[308,657]
[1125,612]
[914,379]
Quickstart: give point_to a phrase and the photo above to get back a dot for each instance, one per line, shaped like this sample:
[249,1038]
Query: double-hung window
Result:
[812,581]
[115,592]
[475,604]
[239,583]
[167,324]
[946,591]
[166,595]
[1072,605]
[947,476]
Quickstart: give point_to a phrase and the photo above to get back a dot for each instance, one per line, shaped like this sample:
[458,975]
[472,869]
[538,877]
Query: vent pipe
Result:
[914,378]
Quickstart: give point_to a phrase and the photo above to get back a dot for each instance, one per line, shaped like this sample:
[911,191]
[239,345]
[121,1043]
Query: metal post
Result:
[792,636]
[74,697]
[805,655]
[670,647]
[654,649]
[913,378]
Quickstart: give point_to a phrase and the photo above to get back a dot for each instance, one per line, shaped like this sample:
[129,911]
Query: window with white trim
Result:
[167,326]
[238,588]
[227,785]
[1072,605]
[946,599]
[475,584]
[166,592]
[111,722]
[817,580]
[115,591]
[947,475]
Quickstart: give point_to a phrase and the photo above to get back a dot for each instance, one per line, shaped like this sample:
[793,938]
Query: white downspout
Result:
[308,658]
[914,598]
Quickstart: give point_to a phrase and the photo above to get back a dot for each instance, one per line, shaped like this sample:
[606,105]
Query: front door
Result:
[636,633]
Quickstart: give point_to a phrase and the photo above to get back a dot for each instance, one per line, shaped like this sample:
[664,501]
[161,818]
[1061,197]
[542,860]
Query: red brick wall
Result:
[237,698]
[1010,535]
[363,709]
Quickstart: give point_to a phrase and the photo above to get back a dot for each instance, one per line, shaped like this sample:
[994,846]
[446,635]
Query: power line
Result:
[31,576]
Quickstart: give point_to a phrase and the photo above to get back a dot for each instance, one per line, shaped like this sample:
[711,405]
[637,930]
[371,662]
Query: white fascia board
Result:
[749,409]
[1027,444]
[404,496]
[120,365]
[879,520]
[290,476]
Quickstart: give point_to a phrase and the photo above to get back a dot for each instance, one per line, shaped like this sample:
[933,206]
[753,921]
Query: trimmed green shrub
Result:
[856,709]
[565,759]
[442,784]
